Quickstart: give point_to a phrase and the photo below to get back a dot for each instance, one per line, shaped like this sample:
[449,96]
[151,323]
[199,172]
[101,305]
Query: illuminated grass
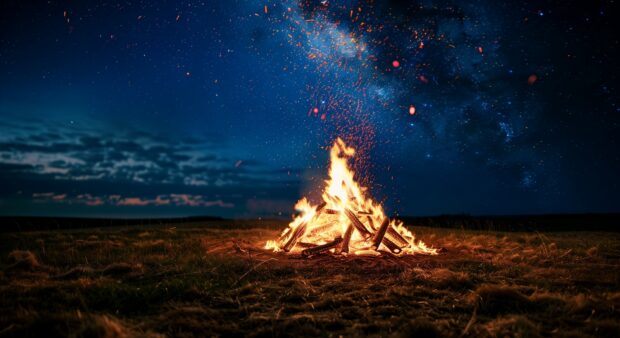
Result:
[192,280]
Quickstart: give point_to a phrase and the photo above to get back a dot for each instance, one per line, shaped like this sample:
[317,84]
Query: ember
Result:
[347,221]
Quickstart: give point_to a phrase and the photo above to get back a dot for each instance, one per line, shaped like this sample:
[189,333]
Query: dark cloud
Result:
[186,200]
[7,169]
[18,147]
[128,170]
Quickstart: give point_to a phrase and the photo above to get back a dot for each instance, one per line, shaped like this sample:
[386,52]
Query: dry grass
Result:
[202,281]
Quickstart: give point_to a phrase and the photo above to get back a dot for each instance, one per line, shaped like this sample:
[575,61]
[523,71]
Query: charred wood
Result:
[321,248]
[306,245]
[299,231]
[347,238]
[370,222]
[320,229]
[396,236]
[380,234]
[359,226]
[392,246]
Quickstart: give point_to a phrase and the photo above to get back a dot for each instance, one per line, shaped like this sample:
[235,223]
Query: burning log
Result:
[380,234]
[367,253]
[396,236]
[300,230]
[321,248]
[357,224]
[392,246]
[370,222]
[347,238]
[306,245]
[320,229]
[319,208]
[331,211]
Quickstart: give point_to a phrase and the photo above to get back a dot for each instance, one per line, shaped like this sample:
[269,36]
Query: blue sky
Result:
[226,107]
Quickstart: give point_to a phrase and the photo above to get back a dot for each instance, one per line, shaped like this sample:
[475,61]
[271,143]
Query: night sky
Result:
[227,108]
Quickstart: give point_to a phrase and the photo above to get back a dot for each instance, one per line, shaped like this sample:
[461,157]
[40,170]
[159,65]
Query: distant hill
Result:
[559,222]
[26,223]
[551,222]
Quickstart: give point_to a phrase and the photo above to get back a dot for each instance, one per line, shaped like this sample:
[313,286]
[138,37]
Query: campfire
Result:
[347,221]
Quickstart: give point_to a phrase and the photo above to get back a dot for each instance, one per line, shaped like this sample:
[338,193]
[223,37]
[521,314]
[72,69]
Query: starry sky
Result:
[227,108]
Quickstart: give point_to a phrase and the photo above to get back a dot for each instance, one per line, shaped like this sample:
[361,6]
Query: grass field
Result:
[212,279]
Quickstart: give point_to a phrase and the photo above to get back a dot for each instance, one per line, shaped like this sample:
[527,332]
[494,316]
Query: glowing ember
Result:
[347,221]
[412,110]
[395,63]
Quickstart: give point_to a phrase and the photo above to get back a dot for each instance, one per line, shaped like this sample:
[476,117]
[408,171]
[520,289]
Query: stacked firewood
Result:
[375,236]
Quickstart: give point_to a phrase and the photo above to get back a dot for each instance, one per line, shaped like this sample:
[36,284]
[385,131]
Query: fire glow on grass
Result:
[347,221]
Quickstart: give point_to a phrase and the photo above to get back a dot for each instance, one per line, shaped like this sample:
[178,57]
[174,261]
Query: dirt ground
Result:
[198,280]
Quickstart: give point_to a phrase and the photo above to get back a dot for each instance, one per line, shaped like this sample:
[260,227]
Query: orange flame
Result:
[344,203]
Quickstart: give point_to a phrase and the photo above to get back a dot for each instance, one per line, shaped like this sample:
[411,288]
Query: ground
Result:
[213,279]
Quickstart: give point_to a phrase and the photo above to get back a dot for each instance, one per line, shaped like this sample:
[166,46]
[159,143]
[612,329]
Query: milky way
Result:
[227,107]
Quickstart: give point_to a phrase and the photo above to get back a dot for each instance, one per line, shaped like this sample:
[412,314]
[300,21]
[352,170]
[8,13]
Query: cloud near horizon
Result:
[81,168]
[171,199]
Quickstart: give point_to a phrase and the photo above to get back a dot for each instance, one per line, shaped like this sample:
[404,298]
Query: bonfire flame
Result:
[347,221]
